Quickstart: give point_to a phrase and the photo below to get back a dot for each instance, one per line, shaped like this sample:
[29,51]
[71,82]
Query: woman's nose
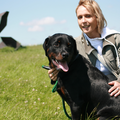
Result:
[83,19]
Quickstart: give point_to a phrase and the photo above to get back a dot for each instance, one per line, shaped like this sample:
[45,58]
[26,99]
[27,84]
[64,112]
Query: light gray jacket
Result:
[108,52]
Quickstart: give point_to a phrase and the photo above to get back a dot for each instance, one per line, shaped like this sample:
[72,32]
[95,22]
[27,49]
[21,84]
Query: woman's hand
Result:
[115,89]
[53,74]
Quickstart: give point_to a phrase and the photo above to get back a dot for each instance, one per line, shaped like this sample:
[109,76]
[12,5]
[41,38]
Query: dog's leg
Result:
[75,111]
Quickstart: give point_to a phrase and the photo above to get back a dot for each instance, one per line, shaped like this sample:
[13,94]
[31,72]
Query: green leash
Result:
[55,87]
[63,102]
[54,90]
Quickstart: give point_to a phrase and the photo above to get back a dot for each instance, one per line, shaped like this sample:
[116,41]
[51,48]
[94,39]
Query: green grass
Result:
[25,89]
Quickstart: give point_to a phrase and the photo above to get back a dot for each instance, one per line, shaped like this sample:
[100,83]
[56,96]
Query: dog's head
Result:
[60,50]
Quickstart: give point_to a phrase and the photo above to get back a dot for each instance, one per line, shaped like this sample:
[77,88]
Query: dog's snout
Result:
[65,55]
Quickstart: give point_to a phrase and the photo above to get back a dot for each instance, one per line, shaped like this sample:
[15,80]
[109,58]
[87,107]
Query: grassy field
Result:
[25,89]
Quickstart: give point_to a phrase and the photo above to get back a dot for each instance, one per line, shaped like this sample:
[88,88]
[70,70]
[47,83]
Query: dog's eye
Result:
[69,44]
[56,44]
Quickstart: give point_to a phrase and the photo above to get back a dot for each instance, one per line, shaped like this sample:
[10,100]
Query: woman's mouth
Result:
[86,26]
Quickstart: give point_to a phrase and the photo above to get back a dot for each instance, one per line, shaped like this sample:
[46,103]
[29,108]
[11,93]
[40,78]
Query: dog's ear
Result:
[45,44]
[75,46]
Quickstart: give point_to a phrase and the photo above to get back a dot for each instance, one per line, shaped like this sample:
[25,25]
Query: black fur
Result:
[83,87]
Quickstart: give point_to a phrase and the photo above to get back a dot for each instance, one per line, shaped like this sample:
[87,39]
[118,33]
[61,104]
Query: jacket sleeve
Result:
[117,39]
[117,43]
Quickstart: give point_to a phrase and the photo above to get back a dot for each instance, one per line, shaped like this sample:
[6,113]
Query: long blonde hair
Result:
[94,8]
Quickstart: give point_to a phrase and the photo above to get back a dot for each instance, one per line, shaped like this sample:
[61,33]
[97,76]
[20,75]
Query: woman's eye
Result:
[88,16]
[79,17]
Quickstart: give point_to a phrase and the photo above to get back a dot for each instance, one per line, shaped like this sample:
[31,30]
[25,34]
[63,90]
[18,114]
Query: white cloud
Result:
[21,23]
[47,21]
[35,25]
[44,21]
[63,21]
[35,28]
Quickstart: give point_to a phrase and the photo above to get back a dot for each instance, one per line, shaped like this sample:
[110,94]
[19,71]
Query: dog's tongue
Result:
[63,66]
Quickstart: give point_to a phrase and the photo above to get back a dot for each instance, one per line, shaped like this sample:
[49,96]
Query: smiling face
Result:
[87,22]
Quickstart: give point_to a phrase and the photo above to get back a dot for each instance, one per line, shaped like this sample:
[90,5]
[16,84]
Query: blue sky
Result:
[31,21]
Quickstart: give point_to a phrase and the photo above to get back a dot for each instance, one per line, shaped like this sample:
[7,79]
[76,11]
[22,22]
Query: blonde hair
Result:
[94,8]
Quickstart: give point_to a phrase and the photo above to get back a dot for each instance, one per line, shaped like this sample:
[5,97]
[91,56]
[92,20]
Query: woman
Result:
[96,36]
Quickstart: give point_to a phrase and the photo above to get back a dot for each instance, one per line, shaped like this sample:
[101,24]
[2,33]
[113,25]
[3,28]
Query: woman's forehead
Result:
[84,10]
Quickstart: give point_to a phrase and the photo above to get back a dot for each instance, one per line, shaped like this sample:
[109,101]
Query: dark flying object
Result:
[3,20]
[7,41]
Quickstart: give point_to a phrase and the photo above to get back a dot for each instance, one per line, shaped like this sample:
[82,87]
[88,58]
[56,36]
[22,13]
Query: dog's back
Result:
[88,87]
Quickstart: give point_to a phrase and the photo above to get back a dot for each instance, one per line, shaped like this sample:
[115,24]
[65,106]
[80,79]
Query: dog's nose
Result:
[65,55]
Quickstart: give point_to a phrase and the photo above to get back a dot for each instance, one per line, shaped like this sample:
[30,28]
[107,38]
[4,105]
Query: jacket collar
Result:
[89,48]
[106,34]
[110,38]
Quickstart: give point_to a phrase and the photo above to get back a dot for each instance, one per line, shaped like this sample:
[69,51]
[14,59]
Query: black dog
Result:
[80,84]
